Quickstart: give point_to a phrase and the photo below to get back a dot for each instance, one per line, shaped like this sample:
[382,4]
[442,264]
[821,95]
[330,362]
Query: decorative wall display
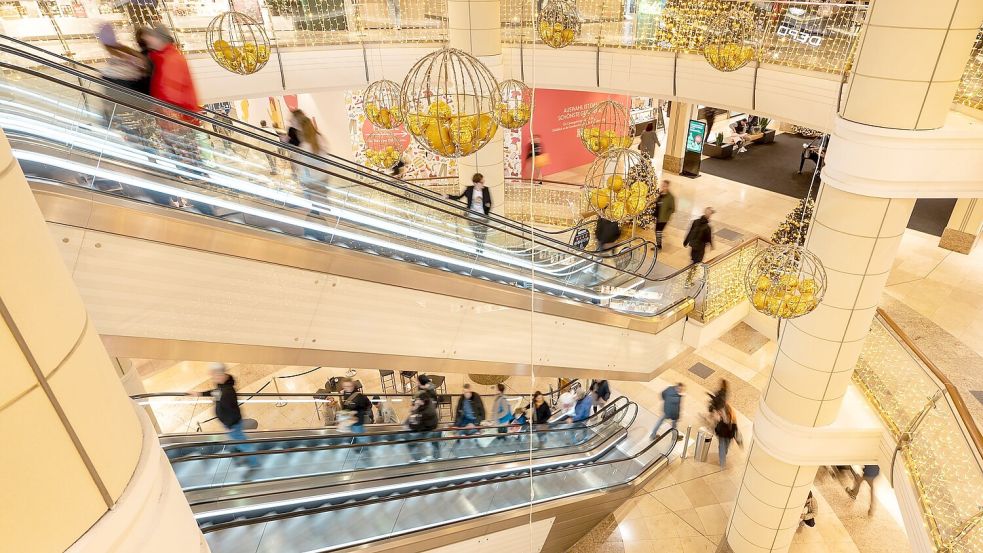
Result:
[731,40]
[558,23]
[384,148]
[606,126]
[382,107]
[513,105]
[785,281]
[620,185]
[237,43]
[448,97]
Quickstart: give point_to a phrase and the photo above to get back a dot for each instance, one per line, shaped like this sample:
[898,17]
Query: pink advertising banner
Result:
[557,114]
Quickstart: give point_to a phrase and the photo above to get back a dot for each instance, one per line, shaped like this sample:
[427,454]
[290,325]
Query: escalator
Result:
[102,159]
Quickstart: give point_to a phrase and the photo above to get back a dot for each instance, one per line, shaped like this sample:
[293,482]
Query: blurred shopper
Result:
[501,410]
[649,140]
[566,402]
[423,420]
[306,133]
[725,428]
[869,474]
[425,387]
[357,405]
[541,412]
[387,415]
[606,233]
[227,408]
[719,398]
[275,136]
[519,419]
[700,236]
[581,410]
[171,78]
[672,400]
[470,410]
[536,159]
[740,135]
[601,391]
[809,510]
[479,202]
[665,206]
[711,115]
[124,66]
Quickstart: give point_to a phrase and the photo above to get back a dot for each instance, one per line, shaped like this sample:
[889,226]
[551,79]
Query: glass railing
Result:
[724,288]
[938,442]
[70,129]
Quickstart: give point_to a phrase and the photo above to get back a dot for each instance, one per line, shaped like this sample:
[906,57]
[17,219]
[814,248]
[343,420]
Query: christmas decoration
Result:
[606,126]
[383,149]
[682,24]
[514,104]
[620,184]
[785,281]
[381,102]
[448,97]
[794,228]
[558,23]
[731,39]
[237,43]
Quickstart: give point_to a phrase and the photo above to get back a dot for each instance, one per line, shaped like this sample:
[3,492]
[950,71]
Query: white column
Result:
[79,458]
[475,27]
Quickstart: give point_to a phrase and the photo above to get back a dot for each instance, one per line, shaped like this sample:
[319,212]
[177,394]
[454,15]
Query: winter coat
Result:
[423,418]
[665,207]
[582,411]
[477,406]
[671,401]
[541,413]
[226,402]
[171,79]
[601,389]
[359,403]
[698,237]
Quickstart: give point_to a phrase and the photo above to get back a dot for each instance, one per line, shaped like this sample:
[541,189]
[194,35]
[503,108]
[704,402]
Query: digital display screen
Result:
[694,136]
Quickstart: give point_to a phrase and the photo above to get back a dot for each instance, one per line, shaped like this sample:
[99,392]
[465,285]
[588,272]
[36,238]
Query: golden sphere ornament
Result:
[606,126]
[731,39]
[620,185]
[558,23]
[381,104]
[513,106]
[237,43]
[383,149]
[785,281]
[449,100]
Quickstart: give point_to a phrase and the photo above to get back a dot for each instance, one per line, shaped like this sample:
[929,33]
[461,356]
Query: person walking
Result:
[357,405]
[501,410]
[809,510]
[124,66]
[425,386]
[602,393]
[479,201]
[470,410]
[725,428]
[719,398]
[869,474]
[648,141]
[227,408]
[672,399]
[665,206]
[700,236]
[423,420]
[171,79]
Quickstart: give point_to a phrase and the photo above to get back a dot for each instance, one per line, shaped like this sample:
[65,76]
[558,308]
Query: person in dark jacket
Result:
[700,236]
[425,387]
[540,408]
[478,198]
[227,408]
[470,410]
[423,420]
[672,399]
[357,403]
[665,206]
[602,393]
[606,233]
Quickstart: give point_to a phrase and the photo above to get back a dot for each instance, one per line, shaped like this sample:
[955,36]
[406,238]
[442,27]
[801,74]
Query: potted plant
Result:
[718,148]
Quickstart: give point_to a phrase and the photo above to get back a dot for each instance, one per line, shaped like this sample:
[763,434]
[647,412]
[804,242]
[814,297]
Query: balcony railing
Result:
[724,288]
[938,441]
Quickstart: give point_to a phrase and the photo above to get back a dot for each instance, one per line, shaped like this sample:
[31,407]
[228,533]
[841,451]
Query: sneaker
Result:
[742,150]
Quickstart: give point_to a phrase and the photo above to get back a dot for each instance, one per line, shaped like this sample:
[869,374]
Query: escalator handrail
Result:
[453,487]
[253,133]
[603,417]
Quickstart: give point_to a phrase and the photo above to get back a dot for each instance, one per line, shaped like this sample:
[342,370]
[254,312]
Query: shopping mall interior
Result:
[586,276]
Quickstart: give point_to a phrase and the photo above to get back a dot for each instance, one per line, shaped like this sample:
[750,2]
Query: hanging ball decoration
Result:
[620,185]
[731,38]
[381,104]
[513,105]
[238,43]
[606,126]
[383,149]
[558,23]
[449,100]
[785,281]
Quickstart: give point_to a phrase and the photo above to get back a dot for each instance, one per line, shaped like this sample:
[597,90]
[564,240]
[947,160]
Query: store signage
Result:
[694,136]
[799,36]
[581,238]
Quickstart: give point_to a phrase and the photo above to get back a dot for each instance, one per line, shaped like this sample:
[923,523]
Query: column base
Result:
[957,241]
[152,515]
[672,164]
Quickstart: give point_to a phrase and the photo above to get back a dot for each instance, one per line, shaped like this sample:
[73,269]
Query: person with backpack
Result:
[357,404]
[672,399]
[227,409]
[470,410]
[501,410]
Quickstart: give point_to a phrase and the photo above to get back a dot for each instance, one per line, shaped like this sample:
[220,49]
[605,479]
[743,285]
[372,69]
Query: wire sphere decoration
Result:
[606,126]
[731,39]
[620,185]
[448,97]
[238,43]
[381,104]
[558,23]
[513,106]
[383,149]
[785,281]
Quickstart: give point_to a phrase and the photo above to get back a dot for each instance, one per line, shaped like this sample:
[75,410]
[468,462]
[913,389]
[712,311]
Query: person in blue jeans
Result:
[470,411]
[501,410]
[227,409]
[672,399]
